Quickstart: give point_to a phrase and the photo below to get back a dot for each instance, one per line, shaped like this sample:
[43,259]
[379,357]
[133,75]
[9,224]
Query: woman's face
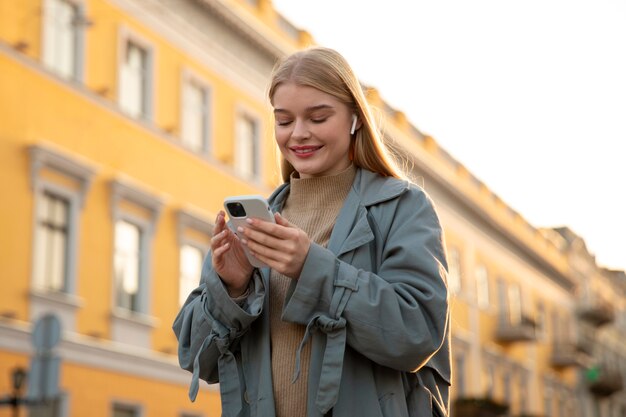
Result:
[312,130]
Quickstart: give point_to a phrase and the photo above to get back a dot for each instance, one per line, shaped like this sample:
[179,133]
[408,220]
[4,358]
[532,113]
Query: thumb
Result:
[281,220]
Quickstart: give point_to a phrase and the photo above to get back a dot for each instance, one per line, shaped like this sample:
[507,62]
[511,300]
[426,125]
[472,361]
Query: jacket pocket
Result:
[392,405]
[420,399]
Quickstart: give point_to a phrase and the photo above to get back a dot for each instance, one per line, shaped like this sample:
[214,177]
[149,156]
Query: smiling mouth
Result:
[305,150]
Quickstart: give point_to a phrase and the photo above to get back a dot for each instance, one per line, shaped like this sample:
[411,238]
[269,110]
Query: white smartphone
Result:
[241,207]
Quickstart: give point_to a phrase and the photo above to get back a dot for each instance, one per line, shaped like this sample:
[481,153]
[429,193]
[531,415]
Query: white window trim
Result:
[133,327]
[79,64]
[190,76]
[463,349]
[189,220]
[126,35]
[486,305]
[65,304]
[259,156]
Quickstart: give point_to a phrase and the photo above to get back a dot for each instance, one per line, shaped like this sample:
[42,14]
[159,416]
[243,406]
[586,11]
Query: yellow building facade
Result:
[124,124]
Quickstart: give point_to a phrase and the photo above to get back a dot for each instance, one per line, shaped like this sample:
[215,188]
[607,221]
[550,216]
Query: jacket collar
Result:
[352,228]
[373,188]
[369,187]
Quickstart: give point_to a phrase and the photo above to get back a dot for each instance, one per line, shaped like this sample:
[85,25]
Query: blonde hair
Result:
[326,70]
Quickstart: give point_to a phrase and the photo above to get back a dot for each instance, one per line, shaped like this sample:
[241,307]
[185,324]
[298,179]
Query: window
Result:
[121,410]
[246,147]
[60,185]
[135,215]
[548,401]
[541,321]
[135,79]
[127,265]
[194,239]
[63,37]
[195,115]
[506,386]
[459,372]
[454,270]
[482,287]
[503,302]
[515,304]
[52,238]
[523,392]
[190,268]
[488,380]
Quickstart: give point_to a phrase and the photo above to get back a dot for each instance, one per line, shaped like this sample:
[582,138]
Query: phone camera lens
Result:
[236,209]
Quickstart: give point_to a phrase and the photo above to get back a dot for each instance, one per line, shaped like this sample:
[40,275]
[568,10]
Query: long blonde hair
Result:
[326,70]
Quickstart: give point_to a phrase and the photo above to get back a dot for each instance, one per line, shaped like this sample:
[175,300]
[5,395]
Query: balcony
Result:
[522,331]
[568,354]
[604,380]
[478,407]
[576,352]
[597,312]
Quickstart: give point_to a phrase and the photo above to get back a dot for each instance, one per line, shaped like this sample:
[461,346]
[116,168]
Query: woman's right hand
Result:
[228,258]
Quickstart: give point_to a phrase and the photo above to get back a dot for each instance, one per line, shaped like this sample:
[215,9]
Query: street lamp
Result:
[18,376]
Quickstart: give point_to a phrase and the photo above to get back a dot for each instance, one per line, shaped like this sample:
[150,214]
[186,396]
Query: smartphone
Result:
[242,207]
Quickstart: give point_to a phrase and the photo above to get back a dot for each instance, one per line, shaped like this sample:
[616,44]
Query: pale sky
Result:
[529,95]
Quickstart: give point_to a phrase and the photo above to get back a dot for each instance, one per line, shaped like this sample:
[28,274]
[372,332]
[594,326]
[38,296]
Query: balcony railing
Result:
[597,312]
[568,354]
[604,380]
[575,352]
[522,331]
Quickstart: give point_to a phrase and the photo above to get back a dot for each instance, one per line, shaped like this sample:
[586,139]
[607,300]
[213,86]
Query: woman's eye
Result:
[283,122]
[319,120]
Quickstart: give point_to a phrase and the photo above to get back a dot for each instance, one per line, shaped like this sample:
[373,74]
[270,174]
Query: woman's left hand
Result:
[282,246]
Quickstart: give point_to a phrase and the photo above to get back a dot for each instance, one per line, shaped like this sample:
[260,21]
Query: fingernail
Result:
[249,221]
[240,229]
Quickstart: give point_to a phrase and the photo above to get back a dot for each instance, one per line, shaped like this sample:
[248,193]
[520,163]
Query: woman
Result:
[351,317]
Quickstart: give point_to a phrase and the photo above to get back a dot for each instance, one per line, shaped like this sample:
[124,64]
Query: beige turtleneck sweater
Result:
[313,205]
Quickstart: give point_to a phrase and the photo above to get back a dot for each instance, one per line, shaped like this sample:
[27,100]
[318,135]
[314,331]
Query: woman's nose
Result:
[300,129]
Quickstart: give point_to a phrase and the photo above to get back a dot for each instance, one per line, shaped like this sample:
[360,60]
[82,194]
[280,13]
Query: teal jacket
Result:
[375,307]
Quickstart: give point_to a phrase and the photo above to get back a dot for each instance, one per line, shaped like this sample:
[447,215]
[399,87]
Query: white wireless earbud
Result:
[353,128]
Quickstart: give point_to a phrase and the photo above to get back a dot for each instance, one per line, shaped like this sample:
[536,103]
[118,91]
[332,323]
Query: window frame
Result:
[483,292]
[187,219]
[133,326]
[79,50]
[44,158]
[257,151]
[142,254]
[189,77]
[55,193]
[125,37]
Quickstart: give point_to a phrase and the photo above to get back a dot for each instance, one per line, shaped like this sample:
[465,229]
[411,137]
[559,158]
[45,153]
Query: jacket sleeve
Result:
[397,317]
[210,323]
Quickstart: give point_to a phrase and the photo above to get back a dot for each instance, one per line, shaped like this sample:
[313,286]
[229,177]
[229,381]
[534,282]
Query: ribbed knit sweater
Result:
[313,205]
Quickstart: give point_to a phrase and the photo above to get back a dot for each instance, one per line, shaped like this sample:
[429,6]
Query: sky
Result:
[529,95]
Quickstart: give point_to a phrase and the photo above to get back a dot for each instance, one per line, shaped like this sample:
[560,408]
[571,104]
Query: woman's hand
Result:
[282,246]
[228,258]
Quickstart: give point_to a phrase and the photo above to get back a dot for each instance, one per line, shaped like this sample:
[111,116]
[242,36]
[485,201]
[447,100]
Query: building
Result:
[124,123]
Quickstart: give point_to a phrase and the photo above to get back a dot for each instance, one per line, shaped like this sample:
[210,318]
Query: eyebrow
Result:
[308,109]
